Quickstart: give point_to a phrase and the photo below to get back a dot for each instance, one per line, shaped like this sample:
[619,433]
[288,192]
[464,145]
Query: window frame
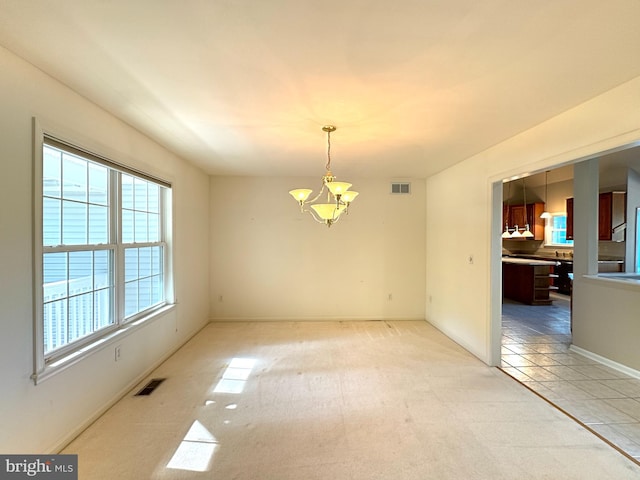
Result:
[548,240]
[122,248]
[50,362]
[637,241]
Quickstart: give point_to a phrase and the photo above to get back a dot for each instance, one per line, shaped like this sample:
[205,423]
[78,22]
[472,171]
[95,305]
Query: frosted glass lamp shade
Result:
[516,233]
[328,211]
[338,188]
[545,214]
[506,233]
[301,194]
[349,196]
[527,233]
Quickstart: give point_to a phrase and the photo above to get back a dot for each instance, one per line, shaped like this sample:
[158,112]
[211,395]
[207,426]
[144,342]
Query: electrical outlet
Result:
[117,353]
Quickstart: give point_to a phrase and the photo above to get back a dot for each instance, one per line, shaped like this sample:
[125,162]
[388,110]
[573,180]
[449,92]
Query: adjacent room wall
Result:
[42,418]
[608,327]
[459,293]
[605,311]
[270,262]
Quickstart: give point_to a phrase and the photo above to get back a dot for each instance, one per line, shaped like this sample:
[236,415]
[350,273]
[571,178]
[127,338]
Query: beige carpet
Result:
[337,400]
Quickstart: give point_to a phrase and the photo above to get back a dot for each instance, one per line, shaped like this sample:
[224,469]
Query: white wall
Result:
[269,261]
[608,320]
[558,194]
[459,295]
[40,419]
[605,312]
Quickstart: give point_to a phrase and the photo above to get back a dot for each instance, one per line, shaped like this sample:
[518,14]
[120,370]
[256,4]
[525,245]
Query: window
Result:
[143,249]
[104,249]
[637,240]
[556,231]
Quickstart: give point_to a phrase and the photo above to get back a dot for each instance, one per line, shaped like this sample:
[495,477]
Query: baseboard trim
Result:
[606,361]
[455,338]
[69,437]
[316,319]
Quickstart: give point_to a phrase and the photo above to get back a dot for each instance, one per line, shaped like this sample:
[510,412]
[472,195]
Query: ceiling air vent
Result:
[150,387]
[401,188]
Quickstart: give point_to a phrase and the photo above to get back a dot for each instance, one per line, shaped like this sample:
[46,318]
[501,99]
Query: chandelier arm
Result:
[313,215]
[316,197]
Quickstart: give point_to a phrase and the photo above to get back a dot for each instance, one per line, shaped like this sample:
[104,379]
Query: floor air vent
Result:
[150,387]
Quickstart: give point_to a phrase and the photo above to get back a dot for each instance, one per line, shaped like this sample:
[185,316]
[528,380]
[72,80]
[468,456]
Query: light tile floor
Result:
[535,351]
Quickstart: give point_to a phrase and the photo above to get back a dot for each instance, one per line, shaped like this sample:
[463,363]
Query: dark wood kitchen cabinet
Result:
[527,282]
[534,210]
[517,215]
[521,215]
[605,215]
[569,218]
[611,206]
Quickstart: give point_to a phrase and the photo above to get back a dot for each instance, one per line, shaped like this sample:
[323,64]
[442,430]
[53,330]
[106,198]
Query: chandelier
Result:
[338,198]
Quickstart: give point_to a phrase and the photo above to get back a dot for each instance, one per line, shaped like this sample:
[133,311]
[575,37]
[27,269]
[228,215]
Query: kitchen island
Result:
[527,280]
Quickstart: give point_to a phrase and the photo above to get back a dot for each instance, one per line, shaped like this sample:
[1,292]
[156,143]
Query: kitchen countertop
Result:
[548,258]
[610,261]
[529,261]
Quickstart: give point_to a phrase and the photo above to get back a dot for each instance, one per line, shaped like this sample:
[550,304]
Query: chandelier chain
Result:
[328,165]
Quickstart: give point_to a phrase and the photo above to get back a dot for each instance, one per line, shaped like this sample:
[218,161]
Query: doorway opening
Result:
[535,340]
[536,269]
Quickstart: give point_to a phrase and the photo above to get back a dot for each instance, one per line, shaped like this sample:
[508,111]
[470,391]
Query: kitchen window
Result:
[556,231]
[104,253]
[637,240]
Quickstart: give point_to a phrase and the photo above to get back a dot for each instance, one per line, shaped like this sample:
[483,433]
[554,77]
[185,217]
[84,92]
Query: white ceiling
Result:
[243,87]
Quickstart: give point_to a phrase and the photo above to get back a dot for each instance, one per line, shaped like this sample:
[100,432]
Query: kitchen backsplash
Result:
[612,250]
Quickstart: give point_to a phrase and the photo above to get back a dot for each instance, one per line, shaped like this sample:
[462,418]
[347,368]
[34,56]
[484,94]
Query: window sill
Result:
[76,356]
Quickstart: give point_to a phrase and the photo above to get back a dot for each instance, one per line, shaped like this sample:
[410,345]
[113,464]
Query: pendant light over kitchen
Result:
[515,233]
[507,233]
[527,233]
[545,214]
